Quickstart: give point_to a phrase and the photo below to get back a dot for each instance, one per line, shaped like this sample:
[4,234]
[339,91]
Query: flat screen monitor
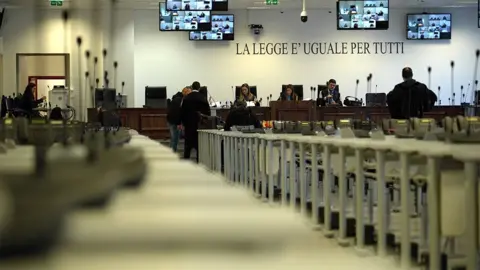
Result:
[213,5]
[363,15]
[223,28]
[238,89]
[184,20]
[155,92]
[429,26]
[297,89]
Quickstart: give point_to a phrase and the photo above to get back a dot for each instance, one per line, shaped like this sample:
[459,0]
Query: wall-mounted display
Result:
[184,20]
[362,15]
[186,5]
[429,26]
[223,28]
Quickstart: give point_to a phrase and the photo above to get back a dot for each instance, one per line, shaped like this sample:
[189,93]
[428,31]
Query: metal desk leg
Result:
[283,171]
[327,188]
[245,162]
[251,168]
[269,170]
[226,156]
[293,186]
[218,143]
[315,183]
[303,180]
[232,160]
[471,222]
[382,204]
[235,161]
[405,260]
[359,205]
[257,167]
[342,190]
[433,197]
[264,169]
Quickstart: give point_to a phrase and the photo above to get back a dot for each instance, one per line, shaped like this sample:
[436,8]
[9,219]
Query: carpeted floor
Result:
[180,148]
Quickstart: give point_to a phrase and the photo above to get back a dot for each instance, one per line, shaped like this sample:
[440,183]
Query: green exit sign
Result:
[271,2]
[56,3]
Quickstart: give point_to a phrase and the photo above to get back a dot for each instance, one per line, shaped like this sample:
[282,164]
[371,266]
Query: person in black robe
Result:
[194,105]
[28,102]
[410,98]
[240,115]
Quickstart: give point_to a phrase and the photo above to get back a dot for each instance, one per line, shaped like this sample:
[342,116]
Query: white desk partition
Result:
[450,173]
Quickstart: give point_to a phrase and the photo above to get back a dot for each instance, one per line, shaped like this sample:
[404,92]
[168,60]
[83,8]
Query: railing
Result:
[354,189]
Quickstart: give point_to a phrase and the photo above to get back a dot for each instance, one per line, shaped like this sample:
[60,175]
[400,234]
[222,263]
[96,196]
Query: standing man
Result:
[410,98]
[173,118]
[193,106]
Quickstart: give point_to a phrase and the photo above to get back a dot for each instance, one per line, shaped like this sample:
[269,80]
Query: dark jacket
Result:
[174,109]
[193,104]
[28,101]
[335,97]
[410,99]
[241,117]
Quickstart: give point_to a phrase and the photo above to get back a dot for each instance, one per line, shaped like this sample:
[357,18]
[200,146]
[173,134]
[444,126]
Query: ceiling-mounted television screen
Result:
[223,28]
[213,5]
[363,15]
[429,26]
[184,20]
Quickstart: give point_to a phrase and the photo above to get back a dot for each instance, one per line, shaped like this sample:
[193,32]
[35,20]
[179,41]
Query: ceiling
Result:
[242,4]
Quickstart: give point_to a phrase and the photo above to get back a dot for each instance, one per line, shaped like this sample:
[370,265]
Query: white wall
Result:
[44,31]
[168,58]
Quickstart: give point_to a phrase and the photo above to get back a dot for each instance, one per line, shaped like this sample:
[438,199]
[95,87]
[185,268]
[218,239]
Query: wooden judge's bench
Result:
[153,122]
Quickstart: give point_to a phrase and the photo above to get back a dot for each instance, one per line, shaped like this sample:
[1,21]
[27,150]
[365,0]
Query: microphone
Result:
[475,100]
[462,95]
[233,93]
[104,60]
[376,86]
[439,98]
[369,78]
[356,87]
[97,81]
[429,69]
[452,94]
[311,92]
[115,66]
[123,86]
[95,62]
[475,70]
[80,90]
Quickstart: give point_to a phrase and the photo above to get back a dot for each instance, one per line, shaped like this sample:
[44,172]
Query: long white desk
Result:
[451,173]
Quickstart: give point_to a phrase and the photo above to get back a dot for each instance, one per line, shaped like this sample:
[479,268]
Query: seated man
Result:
[331,95]
[410,98]
[240,115]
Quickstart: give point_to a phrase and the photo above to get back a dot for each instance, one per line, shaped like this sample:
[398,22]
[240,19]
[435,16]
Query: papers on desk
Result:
[250,104]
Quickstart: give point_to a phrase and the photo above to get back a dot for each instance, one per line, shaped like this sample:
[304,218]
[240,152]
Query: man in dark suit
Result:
[193,106]
[410,98]
[331,95]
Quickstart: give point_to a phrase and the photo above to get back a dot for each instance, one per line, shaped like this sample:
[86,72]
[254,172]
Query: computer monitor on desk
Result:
[155,97]
[238,90]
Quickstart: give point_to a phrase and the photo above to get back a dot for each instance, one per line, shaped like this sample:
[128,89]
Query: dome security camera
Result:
[304,16]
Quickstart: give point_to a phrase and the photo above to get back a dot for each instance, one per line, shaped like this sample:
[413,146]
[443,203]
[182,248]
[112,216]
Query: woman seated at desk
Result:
[28,102]
[246,95]
[288,94]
